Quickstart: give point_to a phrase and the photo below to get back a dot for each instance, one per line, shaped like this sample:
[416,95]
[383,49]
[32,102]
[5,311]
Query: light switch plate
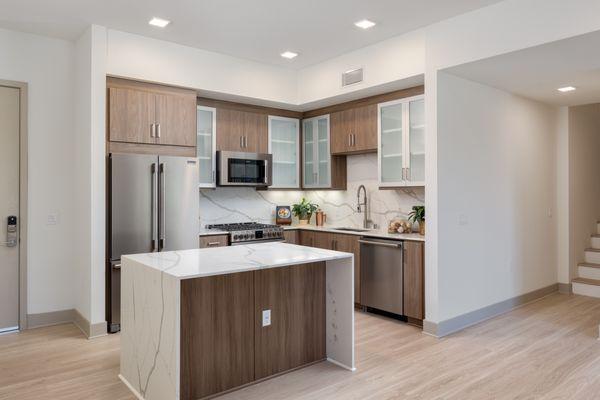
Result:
[52,219]
[266,318]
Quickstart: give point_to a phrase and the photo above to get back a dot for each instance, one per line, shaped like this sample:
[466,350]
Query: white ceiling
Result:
[537,72]
[252,29]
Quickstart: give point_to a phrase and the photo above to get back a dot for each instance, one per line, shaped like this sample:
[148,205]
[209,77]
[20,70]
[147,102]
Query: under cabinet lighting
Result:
[365,24]
[289,55]
[161,23]
[566,89]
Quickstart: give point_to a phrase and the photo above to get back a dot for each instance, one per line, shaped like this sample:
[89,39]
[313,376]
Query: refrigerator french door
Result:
[154,206]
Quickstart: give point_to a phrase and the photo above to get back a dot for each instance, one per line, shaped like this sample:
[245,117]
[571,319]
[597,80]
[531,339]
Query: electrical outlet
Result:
[463,220]
[52,219]
[266,318]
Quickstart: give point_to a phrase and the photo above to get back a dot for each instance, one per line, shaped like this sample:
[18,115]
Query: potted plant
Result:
[418,215]
[304,210]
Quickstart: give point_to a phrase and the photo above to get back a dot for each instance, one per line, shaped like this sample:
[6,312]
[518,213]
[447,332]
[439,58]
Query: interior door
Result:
[9,206]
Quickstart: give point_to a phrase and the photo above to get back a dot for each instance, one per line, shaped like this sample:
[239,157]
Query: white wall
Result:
[90,134]
[396,59]
[562,197]
[584,179]
[497,29]
[154,60]
[47,66]
[496,188]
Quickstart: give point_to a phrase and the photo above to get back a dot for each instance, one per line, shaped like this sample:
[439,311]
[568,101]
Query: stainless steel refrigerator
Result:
[153,206]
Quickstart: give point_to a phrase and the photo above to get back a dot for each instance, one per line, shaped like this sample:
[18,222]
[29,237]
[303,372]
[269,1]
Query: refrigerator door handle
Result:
[161,239]
[154,209]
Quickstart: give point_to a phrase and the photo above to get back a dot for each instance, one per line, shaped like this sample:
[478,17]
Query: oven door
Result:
[244,169]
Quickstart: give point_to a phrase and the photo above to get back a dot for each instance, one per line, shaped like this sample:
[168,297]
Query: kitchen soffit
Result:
[255,30]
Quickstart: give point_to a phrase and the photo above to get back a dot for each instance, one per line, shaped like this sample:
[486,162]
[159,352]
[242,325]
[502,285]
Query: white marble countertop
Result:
[380,233]
[196,263]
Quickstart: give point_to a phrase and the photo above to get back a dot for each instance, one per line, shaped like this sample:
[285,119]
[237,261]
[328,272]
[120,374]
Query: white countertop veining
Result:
[196,263]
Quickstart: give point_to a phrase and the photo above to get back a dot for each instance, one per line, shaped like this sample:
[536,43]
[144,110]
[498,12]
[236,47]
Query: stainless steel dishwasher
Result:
[381,274]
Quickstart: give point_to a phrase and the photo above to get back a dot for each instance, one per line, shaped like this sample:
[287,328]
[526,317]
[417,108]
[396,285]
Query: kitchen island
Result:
[196,323]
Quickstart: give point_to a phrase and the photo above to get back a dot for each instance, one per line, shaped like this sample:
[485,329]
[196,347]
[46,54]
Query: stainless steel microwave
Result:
[244,169]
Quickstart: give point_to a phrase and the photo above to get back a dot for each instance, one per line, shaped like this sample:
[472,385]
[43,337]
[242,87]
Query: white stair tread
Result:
[588,265]
[587,281]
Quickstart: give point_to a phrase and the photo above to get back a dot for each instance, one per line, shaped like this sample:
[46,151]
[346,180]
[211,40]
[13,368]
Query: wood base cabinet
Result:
[339,242]
[414,282]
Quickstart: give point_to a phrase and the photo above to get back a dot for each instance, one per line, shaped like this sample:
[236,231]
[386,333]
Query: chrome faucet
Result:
[359,206]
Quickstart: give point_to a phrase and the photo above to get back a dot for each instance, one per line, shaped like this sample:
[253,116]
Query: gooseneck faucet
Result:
[362,206]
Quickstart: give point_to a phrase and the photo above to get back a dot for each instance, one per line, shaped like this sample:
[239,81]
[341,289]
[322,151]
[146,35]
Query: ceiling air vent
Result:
[352,76]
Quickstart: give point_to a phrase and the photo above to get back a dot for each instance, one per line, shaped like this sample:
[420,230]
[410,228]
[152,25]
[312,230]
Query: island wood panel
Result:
[177,117]
[413,292]
[131,114]
[296,297]
[217,334]
[291,236]
[214,241]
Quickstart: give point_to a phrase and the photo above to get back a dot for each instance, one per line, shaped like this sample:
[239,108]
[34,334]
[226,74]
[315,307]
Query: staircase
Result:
[588,282]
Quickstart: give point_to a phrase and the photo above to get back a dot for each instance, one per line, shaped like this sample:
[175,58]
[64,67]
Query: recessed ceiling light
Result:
[365,24]
[566,89]
[161,23]
[289,55]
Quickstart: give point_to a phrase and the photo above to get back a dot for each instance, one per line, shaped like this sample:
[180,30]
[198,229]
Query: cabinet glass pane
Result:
[391,143]
[309,169]
[417,140]
[284,147]
[204,145]
[323,151]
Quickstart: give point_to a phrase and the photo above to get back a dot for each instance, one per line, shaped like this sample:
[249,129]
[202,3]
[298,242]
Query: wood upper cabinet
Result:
[131,115]
[354,130]
[414,298]
[151,114]
[176,118]
[241,131]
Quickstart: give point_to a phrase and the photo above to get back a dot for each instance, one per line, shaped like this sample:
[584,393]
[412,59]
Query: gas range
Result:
[250,232]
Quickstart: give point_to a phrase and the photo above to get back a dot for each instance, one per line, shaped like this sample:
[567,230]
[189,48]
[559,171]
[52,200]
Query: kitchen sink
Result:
[352,229]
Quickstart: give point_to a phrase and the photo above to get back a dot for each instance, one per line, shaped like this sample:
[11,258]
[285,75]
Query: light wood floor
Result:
[545,350]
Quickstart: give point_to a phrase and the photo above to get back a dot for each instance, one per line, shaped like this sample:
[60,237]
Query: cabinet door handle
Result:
[213,243]
[353,140]
[349,140]
[408,174]
[241,142]
[245,141]
[153,130]
[158,131]
[213,176]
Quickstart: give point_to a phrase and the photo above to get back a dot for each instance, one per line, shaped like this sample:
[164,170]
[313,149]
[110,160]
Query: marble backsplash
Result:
[224,205]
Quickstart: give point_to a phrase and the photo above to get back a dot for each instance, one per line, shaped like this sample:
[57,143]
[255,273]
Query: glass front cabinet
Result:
[316,163]
[206,146]
[284,145]
[401,142]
